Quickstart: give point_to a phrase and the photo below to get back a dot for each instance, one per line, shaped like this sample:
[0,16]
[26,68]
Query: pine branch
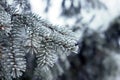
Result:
[17,52]
[13,59]
[43,40]
[36,28]
[28,34]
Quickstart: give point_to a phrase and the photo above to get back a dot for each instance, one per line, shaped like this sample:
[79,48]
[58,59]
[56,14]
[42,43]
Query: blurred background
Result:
[96,24]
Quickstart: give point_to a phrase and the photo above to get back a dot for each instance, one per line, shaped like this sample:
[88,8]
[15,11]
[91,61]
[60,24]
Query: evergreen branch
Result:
[14,62]
[39,38]
[44,41]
